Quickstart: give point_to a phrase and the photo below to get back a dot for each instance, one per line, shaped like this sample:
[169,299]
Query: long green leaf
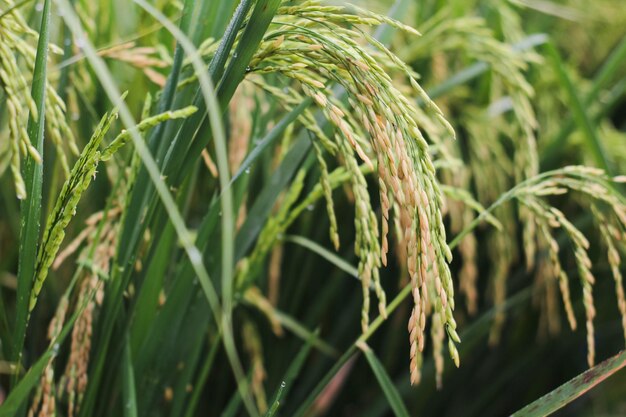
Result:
[166,100]
[112,91]
[271,137]
[276,402]
[574,388]
[129,392]
[324,253]
[261,17]
[133,228]
[609,68]
[392,394]
[30,212]
[580,113]
[259,21]
[20,393]
[295,368]
[216,67]
[202,377]
[215,118]
[298,329]
[265,201]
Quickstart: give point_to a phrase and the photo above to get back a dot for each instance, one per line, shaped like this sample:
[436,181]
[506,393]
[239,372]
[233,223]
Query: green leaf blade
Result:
[574,388]
[31,206]
[393,396]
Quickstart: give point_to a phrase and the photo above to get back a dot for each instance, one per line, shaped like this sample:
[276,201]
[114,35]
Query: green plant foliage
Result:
[289,191]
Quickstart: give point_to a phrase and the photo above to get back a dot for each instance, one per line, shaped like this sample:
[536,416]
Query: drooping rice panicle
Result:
[381,126]
[595,189]
[16,43]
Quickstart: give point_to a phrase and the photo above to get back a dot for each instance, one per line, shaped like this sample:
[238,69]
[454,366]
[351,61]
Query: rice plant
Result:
[308,208]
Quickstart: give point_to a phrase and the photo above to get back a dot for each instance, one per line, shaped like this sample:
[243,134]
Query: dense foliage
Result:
[307,208]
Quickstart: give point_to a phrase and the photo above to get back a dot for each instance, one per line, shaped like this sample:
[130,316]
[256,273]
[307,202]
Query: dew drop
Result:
[39,7]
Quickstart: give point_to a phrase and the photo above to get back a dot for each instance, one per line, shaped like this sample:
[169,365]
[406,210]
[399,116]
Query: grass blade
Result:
[265,201]
[167,97]
[261,17]
[31,206]
[256,27]
[129,391]
[192,404]
[227,247]
[274,134]
[324,253]
[112,91]
[351,351]
[216,67]
[609,68]
[392,394]
[21,392]
[574,388]
[296,365]
[302,332]
[581,116]
[276,403]
[613,64]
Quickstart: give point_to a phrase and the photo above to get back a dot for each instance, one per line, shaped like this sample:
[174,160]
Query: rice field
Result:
[312,208]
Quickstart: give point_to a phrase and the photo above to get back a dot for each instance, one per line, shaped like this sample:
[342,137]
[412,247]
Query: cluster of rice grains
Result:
[101,235]
[16,41]
[312,46]
[598,193]
[498,146]
[101,228]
